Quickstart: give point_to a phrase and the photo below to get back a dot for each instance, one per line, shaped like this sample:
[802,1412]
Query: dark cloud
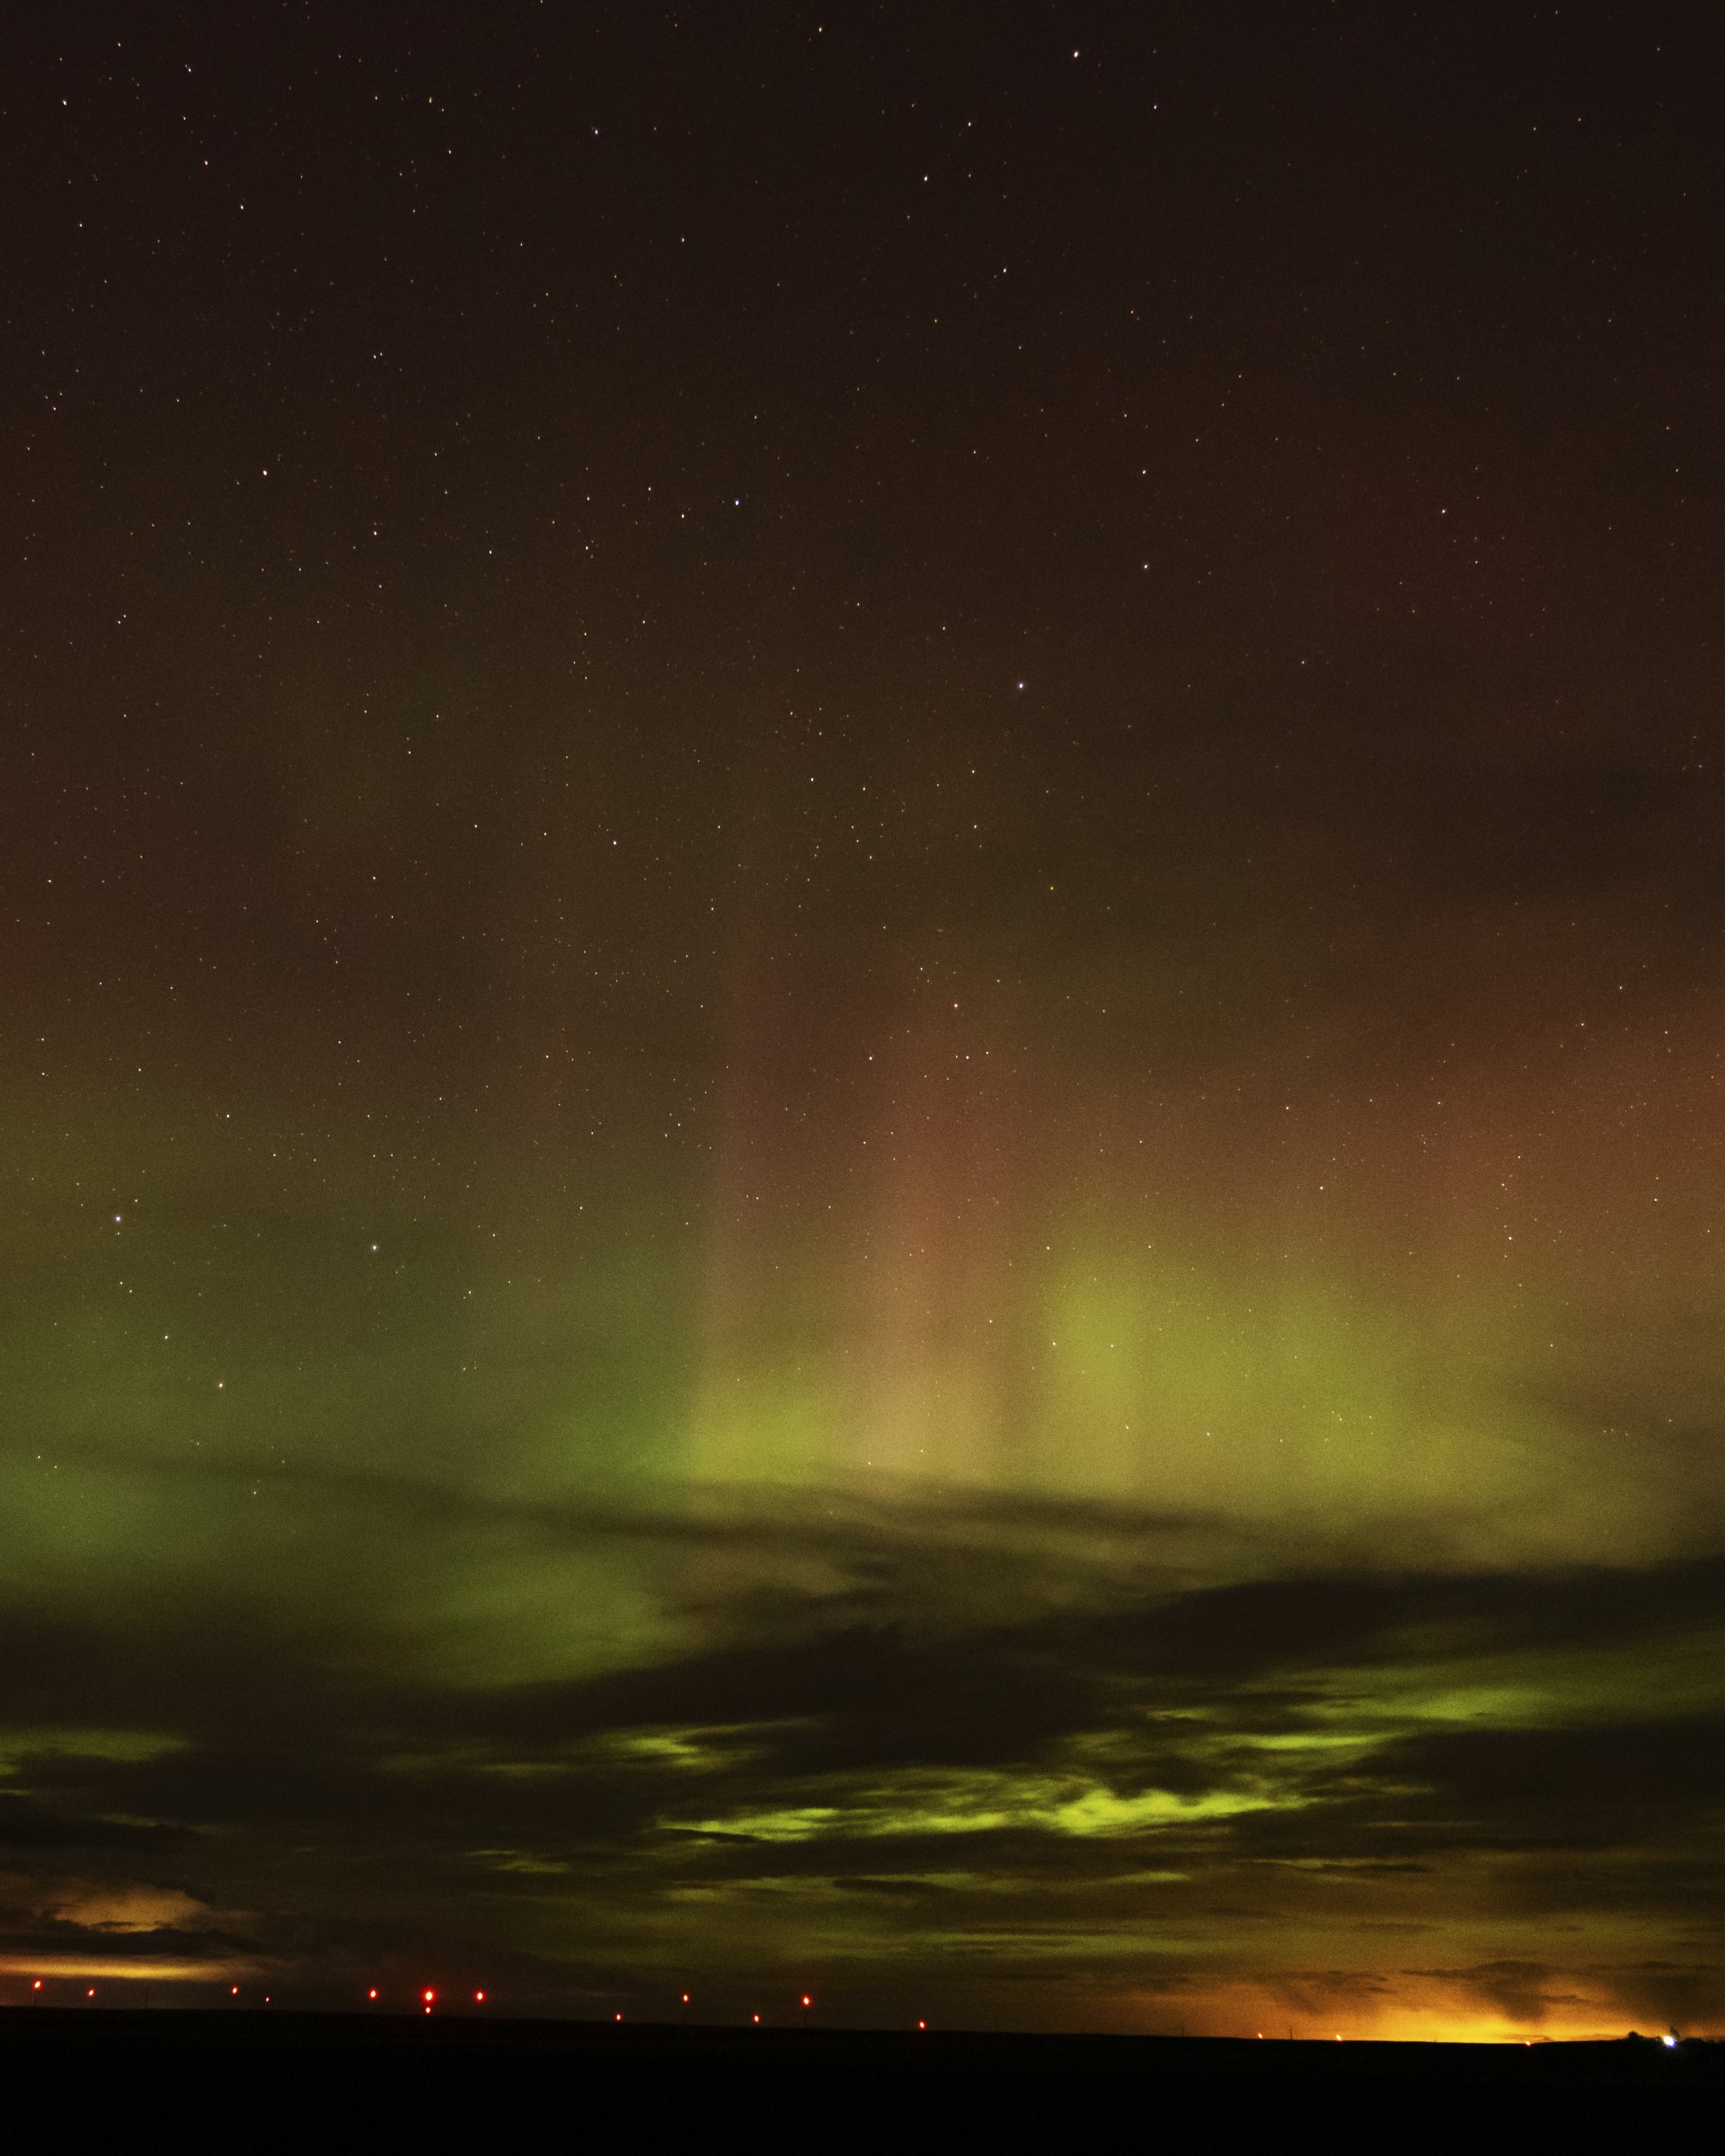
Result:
[29,1825]
[1261,1731]
[1640,1782]
[1526,1991]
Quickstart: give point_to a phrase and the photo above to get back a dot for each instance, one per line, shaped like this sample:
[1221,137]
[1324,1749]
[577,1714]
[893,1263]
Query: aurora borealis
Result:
[864,1015]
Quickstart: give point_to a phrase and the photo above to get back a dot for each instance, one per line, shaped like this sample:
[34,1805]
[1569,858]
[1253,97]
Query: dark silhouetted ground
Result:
[245,2081]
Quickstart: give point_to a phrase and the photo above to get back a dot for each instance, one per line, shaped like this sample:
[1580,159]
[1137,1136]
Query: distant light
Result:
[372,1993]
[757,2021]
[36,1986]
[232,1990]
[1671,2043]
[685,1998]
[807,2001]
[428,1996]
[922,2025]
[616,2017]
[478,1998]
[90,1993]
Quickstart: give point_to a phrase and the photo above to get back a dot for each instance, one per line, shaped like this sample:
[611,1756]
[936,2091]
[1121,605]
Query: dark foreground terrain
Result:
[243,2080]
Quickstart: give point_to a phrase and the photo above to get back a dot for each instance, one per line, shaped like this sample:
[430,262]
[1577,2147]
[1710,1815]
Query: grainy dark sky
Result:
[861,920]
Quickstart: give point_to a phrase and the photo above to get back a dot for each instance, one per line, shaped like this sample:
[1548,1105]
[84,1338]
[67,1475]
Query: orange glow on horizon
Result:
[1419,2011]
[72,1968]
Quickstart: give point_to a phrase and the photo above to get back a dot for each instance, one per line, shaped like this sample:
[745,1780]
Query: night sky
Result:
[864,1003]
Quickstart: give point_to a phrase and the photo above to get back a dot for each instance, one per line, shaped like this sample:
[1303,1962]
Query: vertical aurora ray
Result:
[920,1275]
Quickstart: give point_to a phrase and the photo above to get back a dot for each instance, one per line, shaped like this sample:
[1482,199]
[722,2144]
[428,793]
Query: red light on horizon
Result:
[428,1996]
[757,2021]
[90,1993]
[616,2017]
[922,2025]
[372,1993]
[685,1998]
[807,2001]
[36,1986]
